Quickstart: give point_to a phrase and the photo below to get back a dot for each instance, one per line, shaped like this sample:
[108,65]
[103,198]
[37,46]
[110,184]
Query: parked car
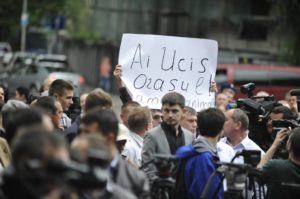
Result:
[5,47]
[276,80]
[32,76]
[56,60]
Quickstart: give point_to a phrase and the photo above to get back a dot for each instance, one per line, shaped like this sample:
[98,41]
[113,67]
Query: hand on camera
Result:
[281,135]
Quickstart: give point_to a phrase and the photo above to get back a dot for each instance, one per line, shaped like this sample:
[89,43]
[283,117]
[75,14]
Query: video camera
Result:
[257,107]
[288,124]
[236,174]
[37,178]
[163,186]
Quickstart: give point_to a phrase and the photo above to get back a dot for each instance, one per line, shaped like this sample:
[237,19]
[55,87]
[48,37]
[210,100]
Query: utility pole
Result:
[24,23]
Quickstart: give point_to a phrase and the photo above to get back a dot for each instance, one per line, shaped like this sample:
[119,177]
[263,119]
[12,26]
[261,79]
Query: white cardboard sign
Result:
[153,65]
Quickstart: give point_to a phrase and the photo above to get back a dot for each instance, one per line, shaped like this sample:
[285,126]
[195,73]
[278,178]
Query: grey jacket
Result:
[131,179]
[155,142]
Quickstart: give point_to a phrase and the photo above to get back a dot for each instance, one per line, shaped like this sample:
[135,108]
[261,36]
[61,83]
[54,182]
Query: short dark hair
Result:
[210,122]
[98,98]
[287,113]
[46,104]
[106,120]
[173,98]
[59,86]
[31,144]
[23,91]
[20,119]
[138,119]
[294,140]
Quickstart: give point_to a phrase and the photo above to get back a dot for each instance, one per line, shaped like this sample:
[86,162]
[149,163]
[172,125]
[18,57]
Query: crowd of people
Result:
[45,153]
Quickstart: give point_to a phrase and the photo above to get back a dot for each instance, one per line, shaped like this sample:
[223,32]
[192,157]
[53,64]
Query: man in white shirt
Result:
[236,133]
[139,121]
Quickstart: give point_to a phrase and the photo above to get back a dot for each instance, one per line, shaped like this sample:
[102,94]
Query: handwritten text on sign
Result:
[155,65]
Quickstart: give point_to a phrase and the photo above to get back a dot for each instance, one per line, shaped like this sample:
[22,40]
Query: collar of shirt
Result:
[170,129]
[138,139]
[241,146]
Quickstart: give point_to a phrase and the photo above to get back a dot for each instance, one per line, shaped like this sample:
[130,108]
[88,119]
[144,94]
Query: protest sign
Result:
[154,65]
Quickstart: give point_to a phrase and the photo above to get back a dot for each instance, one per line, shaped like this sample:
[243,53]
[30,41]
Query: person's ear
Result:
[238,124]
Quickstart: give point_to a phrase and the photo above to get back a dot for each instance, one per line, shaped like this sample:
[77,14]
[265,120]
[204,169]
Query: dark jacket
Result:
[124,95]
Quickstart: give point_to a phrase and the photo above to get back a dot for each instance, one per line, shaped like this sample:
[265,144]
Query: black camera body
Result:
[256,107]
[285,124]
[277,125]
[163,186]
[33,179]
[248,89]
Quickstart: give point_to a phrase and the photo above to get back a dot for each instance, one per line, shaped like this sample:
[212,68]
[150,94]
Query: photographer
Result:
[278,113]
[105,123]
[282,177]
[92,149]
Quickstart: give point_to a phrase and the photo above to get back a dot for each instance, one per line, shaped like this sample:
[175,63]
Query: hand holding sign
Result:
[154,65]
[118,75]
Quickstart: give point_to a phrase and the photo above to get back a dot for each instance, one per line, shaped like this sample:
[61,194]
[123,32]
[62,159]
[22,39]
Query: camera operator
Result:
[278,113]
[92,149]
[198,158]
[105,122]
[282,177]
[27,177]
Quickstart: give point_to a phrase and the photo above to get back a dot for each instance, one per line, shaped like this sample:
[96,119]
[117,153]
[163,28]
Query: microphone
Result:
[295,92]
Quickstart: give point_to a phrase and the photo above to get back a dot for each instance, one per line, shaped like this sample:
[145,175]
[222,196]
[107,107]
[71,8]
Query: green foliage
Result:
[288,13]
[78,16]
[75,11]
[10,13]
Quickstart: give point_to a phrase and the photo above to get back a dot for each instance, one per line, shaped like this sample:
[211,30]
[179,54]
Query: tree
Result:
[75,12]
[288,13]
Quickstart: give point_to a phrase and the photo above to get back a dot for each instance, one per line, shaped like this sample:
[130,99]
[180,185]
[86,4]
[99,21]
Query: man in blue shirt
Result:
[198,158]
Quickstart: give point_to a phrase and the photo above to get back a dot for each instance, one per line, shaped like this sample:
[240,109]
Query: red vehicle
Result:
[276,80]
